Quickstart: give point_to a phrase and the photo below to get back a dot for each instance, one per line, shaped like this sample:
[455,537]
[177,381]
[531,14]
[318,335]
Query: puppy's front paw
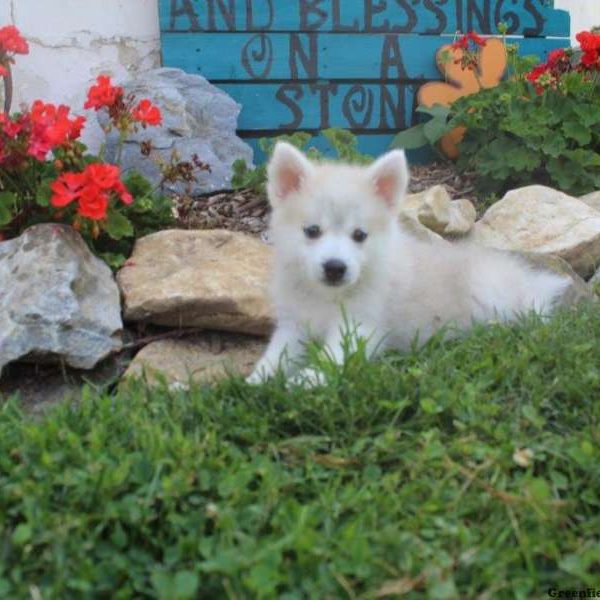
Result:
[258,376]
[308,378]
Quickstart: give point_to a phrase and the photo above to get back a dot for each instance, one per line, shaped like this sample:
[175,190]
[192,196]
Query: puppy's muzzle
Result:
[334,271]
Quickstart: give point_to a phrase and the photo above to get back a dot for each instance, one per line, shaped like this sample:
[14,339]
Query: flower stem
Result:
[8,86]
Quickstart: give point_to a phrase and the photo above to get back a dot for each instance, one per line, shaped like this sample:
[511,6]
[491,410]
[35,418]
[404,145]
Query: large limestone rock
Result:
[214,279]
[544,221]
[592,200]
[57,300]
[198,118]
[434,209]
[199,359]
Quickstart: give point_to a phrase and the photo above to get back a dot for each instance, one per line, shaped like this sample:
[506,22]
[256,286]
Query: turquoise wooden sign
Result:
[357,64]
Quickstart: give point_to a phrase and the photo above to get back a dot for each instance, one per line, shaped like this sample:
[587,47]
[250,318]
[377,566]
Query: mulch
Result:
[248,211]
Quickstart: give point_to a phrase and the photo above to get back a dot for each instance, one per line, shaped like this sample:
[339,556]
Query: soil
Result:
[248,211]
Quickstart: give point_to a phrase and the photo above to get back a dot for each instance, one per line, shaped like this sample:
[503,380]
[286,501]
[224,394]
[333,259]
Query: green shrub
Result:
[541,125]
[516,137]
[343,143]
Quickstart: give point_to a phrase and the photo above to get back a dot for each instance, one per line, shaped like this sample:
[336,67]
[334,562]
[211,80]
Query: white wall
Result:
[585,14]
[72,41]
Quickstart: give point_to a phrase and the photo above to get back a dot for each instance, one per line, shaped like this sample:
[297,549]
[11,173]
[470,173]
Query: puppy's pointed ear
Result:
[287,171]
[389,176]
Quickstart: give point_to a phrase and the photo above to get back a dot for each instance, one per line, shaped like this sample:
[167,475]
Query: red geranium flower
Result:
[3,71]
[103,94]
[534,75]
[147,113]
[588,41]
[92,189]
[93,203]
[556,56]
[461,44]
[121,189]
[103,176]
[11,41]
[51,127]
[476,38]
[67,188]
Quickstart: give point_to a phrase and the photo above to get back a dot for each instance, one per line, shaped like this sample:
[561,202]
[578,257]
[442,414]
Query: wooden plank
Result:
[432,17]
[280,56]
[373,144]
[323,104]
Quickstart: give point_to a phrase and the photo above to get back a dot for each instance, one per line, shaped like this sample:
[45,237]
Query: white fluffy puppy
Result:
[343,259]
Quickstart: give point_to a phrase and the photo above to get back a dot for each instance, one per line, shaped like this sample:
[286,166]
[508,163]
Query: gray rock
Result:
[58,301]
[198,118]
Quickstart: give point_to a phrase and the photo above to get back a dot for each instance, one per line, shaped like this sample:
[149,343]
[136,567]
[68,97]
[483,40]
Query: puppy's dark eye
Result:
[313,232]
[359,236]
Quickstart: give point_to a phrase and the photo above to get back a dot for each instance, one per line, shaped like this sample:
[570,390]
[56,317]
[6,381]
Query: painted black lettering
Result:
[538,18]
[308,58]
[459,16]
[338,26]
[257,56]
[324,90]
[357,107]
[483,16]
[227,13]
[250,16]
[373,8]
[509,17]
[440,15]
[411,18]
[395,107]
[290,94]
[185,9]
[312,17]
[392,66]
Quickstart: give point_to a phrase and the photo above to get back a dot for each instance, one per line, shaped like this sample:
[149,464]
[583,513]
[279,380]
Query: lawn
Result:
[465,469]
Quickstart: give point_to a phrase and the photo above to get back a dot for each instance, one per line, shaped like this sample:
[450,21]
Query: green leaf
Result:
[186,585]
[577,131]
[8,207]
[437,110]
[44,193]
[411,138]
[163,584]
[118,226]
[22,534]
[435,129]
[113,259]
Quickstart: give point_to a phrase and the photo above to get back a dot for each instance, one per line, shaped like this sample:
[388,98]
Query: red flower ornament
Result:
[147,113]
[12,42]
[103,94]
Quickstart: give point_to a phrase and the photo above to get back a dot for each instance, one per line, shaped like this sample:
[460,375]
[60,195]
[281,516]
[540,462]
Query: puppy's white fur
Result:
[396,287]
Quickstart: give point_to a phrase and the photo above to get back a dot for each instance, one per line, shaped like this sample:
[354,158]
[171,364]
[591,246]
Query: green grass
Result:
[397,478]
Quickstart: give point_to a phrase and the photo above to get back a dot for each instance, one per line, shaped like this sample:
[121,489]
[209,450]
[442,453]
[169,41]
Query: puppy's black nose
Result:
[334,271]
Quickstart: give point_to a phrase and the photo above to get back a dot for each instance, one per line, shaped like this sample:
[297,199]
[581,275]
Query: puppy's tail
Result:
[512,286]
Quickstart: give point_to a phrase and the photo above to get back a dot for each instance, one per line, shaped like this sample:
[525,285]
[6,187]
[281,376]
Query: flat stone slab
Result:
[204,358]
[214,279]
